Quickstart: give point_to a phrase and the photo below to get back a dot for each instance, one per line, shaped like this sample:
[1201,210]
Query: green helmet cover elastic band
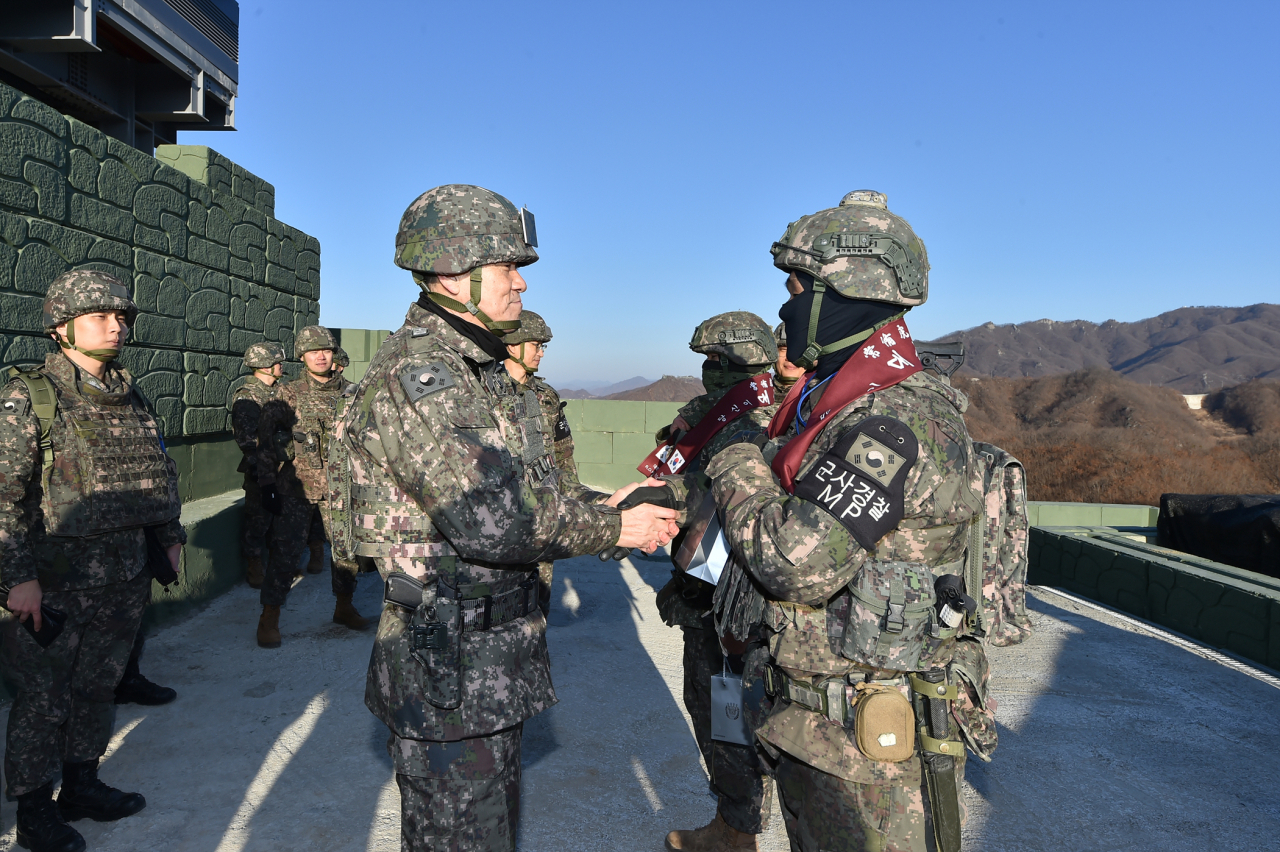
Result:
[529,371]
[103,355]
[812,351]
[472,306]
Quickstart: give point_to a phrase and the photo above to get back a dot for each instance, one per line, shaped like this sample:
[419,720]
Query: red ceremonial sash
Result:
[747,394]
[884,359]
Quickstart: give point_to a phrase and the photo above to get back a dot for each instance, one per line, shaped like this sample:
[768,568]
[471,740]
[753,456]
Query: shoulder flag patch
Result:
[421,381]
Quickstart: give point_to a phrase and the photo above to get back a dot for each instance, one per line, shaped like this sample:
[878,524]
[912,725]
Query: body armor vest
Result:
[109,469]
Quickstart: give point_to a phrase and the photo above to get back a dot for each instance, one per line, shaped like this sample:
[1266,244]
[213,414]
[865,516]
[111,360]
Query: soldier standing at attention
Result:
[267,362]
[293,442]
[74,503]
[849,530]
[740,349]
[785,374]
[452,490]
[525,348]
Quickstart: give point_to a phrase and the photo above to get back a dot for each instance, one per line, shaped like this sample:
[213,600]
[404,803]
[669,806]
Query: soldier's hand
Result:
[271,499]
[175,557]
[622,493]
[24,601]
[647,527]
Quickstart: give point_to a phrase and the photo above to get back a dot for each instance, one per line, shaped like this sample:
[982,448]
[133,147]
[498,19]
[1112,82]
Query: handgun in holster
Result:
[434,634]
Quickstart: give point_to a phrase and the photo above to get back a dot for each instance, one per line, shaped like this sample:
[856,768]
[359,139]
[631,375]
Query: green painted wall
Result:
[212,270]
[361,345]
[612,436]
[1216,604]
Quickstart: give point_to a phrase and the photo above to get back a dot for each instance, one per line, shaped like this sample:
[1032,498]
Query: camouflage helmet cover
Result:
[532,328]
[780,334]
[455,228]
[311,338]
[85,291]
[860,250]
[740,336]
[341,358]
[263,355]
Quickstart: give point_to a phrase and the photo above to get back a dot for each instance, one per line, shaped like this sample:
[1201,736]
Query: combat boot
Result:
[134,688]
[269,627]
[41,828]
[84,795]
[717,836]
[316,563]
[254,572]
[344,613]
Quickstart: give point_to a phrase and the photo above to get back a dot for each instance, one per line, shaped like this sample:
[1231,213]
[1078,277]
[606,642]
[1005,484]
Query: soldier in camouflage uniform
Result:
[341,361]
[451,485]
[73,508]
[785,374]
[739,347]
[293,440]
[525,347]
[266,360]
[848,527]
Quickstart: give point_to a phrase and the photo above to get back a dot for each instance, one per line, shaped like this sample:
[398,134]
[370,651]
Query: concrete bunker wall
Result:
[212,271]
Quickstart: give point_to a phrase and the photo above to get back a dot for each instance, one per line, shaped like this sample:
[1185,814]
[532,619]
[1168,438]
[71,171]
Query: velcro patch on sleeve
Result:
[17,407]
[422,381]
[860,481]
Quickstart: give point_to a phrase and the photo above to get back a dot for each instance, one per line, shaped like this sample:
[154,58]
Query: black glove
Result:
[271,499]
[661,495]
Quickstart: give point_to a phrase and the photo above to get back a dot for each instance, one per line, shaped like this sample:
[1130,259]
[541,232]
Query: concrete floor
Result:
[1111,738]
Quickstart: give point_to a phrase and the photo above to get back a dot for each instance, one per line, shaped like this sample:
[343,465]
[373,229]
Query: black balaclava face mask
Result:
[838,318]
[724,374]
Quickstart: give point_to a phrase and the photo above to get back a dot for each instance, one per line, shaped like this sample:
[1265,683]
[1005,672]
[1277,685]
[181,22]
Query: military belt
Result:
[830,697]
[478,613]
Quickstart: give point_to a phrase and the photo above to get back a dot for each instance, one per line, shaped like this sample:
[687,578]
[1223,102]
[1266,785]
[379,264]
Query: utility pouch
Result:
[436,643]
[728,719]
[890,616]
[883,723]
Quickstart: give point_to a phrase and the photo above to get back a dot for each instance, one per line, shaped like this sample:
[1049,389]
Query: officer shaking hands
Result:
[451,486]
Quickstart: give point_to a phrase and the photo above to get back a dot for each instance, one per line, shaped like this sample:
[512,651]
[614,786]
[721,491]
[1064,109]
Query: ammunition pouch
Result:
[890,618]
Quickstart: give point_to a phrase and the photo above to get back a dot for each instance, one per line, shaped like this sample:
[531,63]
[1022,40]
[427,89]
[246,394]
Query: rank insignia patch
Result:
[859,482]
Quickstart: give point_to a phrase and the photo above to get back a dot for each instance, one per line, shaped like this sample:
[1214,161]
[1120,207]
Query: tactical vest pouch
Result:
[888,616]
[306,451]
[884,723]
[435,635]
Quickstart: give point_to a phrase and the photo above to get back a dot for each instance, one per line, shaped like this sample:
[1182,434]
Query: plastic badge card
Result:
[711,555]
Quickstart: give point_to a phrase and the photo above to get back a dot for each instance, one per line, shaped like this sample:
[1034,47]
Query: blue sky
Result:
[1071,161]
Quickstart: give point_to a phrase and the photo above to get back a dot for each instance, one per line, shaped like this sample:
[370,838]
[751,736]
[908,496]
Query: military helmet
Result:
[739,336]
[313,337]
[86,291]
[780,335]
[533,328]
[263,355]
[455,228]
[341,358]
[860,250]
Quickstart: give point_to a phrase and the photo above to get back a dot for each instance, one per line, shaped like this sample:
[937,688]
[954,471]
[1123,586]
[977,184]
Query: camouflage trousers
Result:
[299,522]
[459,796]
[64,710]
[825,813]
[255,525]
[737,771]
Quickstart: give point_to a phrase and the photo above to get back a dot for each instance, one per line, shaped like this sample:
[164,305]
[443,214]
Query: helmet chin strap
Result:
[529,371]
[103,355]
[812,351]
[472,306]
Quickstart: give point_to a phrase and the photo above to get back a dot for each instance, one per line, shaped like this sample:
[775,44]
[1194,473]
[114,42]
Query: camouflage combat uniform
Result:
[450,484]
[293,438]
[737,777]
[839,613]
[80,533]
[246,410]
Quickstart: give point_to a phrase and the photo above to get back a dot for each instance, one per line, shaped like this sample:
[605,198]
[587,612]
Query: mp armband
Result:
[860,481]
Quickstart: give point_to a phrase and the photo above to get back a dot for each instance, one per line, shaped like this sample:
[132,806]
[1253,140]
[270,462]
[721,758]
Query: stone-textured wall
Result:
[1217,604]
[212,269]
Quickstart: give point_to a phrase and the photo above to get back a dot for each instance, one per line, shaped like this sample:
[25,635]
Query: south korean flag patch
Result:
[859,482]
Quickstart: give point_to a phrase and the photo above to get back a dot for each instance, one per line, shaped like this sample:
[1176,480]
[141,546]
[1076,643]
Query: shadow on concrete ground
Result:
[1110,738]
